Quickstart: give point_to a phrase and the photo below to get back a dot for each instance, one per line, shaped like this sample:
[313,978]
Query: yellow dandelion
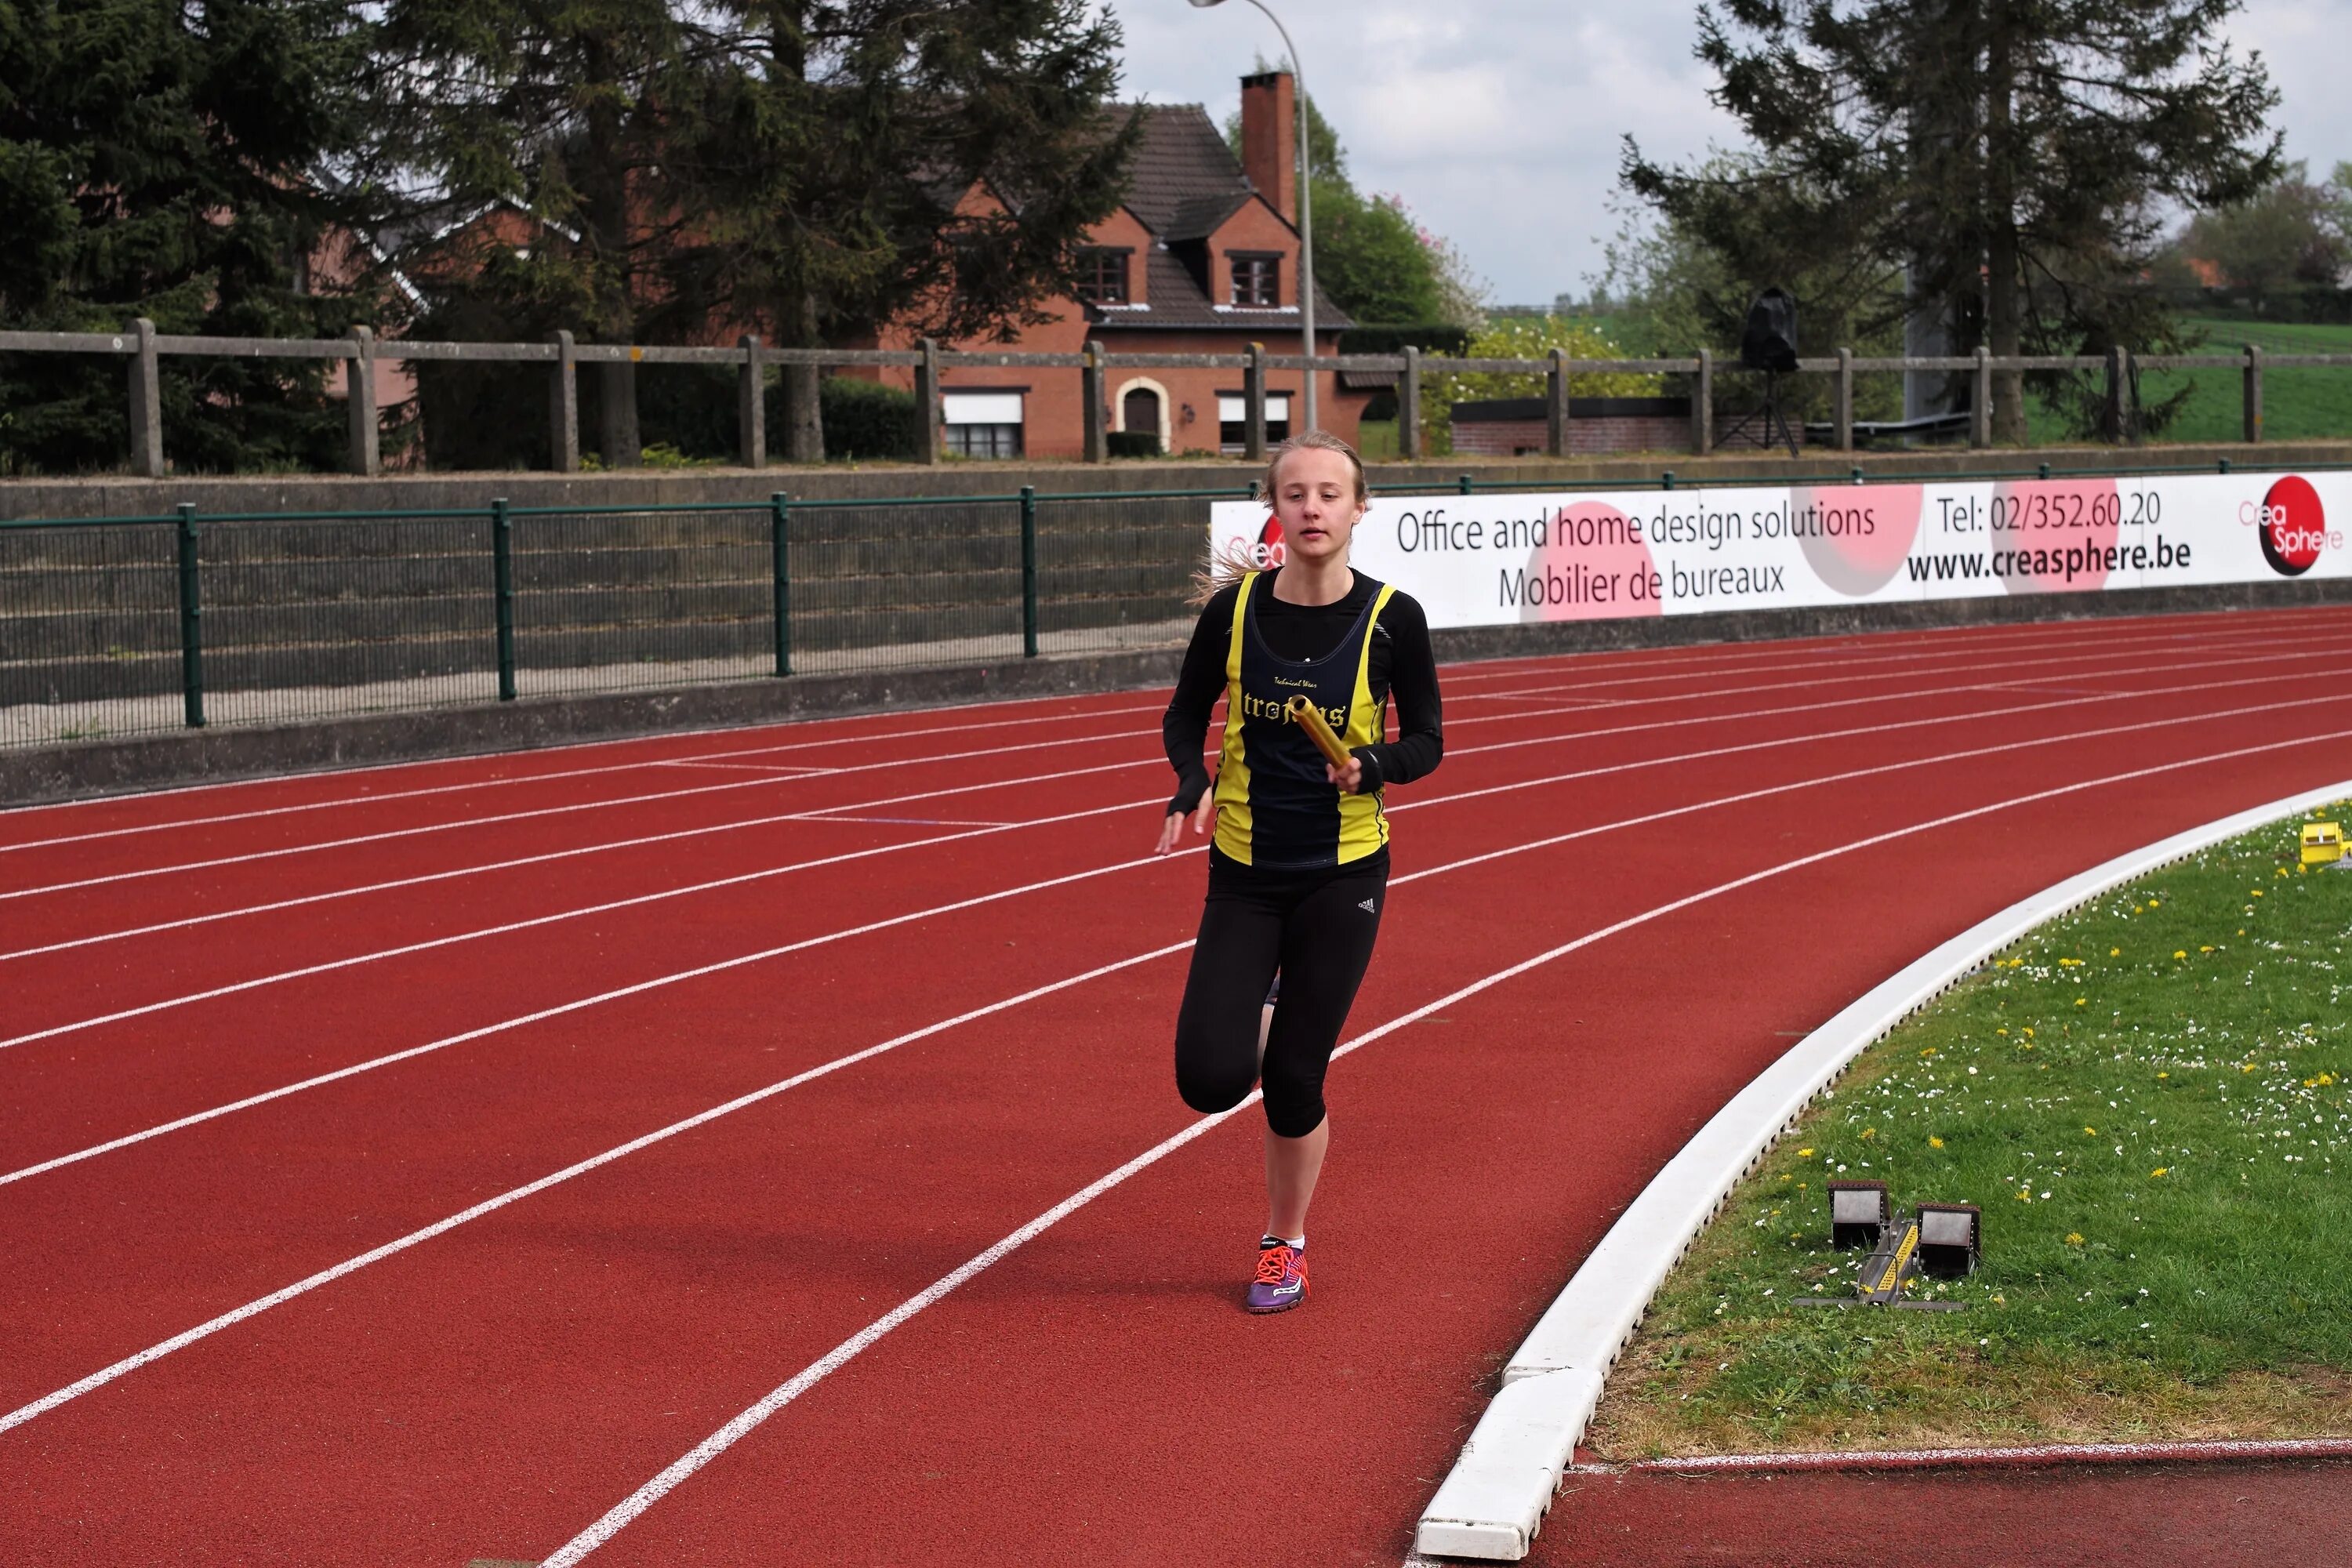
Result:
[2082,1001]
[2029,1033]
[2115,952]
[2073,1238]
[2092,1132]
[2164,1075]
[2179,953]
[1804,1154]
[2161,1171]
[2207,948]
[1935,1142]
[2025,1194]
[2001,1031]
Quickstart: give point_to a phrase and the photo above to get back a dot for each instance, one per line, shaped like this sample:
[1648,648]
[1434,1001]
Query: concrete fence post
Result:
[563,408]
[2253,374]
[1980,401]
[359,387]
[927,403]
[1409,406]
[1555,404]
[1094,396]
[1844,405]
[146,404]
[1253,405]
[1703,404]
[617,423]
[751,404]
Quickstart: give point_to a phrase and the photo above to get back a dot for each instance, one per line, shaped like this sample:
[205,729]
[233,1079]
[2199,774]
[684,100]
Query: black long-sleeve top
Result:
[1402,664]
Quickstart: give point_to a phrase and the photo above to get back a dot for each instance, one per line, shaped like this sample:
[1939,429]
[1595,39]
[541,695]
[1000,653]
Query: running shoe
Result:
[1281,1282]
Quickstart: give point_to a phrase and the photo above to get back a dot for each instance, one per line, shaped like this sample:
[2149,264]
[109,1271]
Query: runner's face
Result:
[1315,500]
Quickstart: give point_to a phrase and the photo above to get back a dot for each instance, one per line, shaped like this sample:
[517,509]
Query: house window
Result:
[1258,280]
[1232,420]
[1102,277]
[983,424]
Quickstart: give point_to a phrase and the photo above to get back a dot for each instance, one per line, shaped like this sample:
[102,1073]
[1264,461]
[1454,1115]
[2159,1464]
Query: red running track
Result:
[335,1233]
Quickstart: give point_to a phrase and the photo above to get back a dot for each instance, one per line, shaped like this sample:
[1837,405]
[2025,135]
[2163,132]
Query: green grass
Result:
[2146,1098]
[2299,404]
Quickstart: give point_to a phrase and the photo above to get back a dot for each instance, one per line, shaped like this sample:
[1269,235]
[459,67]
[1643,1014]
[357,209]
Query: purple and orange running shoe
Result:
[1281,1282]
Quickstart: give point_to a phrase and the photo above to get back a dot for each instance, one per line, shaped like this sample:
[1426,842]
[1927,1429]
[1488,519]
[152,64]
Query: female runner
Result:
[1298,868]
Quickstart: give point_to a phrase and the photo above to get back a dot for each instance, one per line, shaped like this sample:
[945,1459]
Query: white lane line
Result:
[848,1349]
[537,811]
[576,806]
[18,1417]
[985,829]
[375,798]
[422,876]
[330,966]
[1642,820]
[781,770]
[834,813]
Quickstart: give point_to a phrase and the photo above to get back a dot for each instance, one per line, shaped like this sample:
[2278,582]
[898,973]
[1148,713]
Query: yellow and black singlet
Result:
[1274,806]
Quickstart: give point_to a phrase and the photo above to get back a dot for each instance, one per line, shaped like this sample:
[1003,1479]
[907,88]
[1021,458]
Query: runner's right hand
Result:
[1171,830]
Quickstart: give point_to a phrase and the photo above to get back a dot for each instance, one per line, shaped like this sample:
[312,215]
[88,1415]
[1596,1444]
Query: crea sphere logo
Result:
[2291,525]
[1267,553]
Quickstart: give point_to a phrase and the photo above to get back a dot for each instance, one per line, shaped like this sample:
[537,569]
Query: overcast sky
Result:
[1499,121]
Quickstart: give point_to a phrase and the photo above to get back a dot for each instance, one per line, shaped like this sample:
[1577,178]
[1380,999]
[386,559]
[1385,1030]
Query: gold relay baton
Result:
[1303,712]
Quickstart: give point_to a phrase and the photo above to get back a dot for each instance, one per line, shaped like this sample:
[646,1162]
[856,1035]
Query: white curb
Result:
[1492,1503]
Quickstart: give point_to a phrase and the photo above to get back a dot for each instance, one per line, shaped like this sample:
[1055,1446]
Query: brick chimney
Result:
[1270,139]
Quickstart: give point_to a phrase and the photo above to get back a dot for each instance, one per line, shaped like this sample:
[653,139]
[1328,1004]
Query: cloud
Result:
[1500,122]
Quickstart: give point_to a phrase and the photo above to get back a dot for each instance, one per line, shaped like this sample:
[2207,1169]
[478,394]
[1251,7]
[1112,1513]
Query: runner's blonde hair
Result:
[1230,566]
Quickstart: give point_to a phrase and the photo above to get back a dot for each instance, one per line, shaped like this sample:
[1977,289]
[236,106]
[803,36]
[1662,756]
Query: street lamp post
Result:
[1305,212]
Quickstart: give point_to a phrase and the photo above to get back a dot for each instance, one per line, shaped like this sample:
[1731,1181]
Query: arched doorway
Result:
[1140,413]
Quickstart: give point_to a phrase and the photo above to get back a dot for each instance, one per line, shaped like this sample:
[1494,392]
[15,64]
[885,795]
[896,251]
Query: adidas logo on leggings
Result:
[1367,907]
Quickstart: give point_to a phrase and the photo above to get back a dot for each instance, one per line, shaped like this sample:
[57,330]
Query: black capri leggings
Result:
[1317,927]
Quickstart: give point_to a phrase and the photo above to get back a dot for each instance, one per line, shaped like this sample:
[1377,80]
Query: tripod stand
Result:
[1774,427]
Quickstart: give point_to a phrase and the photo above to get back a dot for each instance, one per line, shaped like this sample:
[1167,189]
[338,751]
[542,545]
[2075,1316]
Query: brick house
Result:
[1202,257]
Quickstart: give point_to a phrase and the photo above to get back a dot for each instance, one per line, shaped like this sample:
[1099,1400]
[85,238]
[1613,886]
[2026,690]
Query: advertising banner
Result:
[1495,559]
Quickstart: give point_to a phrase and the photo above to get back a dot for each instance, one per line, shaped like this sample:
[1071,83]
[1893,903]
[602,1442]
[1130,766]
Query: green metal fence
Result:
[120,627]
[130,625]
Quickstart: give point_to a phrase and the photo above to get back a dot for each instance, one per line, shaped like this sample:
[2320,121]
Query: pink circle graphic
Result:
[1593,564]
[1855,538]
[2054,536]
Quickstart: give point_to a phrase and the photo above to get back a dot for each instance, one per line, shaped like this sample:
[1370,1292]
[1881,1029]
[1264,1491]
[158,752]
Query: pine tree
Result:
[856,165]
[2003,162]
[163,158]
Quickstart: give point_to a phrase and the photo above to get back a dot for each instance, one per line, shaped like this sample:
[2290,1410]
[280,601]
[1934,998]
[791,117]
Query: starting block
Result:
[1939,1240]
[2323,843]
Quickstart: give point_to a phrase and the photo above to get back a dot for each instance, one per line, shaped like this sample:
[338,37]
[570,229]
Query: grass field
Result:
[2146,1098]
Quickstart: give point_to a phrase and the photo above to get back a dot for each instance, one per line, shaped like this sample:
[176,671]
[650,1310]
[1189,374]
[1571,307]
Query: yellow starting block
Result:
[2323,843]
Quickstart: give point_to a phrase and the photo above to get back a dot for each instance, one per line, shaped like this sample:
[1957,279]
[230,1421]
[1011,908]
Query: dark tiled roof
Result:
[1185,183]
[1182,166]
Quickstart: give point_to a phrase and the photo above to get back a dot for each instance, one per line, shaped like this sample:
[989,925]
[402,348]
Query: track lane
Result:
[53,997]
[283,1437]
[91,912]
[78,1073]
